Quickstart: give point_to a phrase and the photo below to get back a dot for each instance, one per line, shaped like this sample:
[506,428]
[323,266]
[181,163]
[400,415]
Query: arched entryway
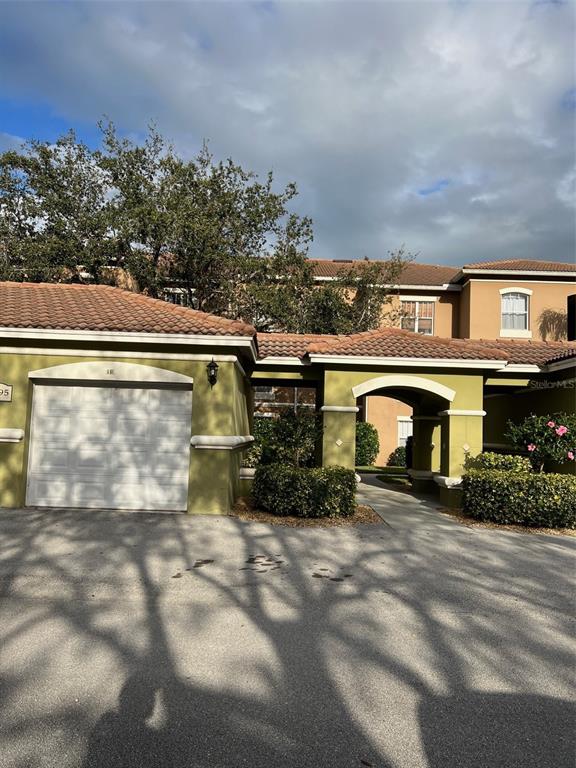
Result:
[447,423]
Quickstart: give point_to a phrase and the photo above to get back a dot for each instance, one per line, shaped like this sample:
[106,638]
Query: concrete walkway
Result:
[136,641]
[400,509]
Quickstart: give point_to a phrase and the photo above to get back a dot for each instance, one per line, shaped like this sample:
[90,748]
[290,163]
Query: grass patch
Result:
[401,481]
[383,470]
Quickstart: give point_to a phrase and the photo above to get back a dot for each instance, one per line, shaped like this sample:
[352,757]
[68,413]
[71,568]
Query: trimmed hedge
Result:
[547,500]
[367,444]
[397,458]
[504,461]
[305,492]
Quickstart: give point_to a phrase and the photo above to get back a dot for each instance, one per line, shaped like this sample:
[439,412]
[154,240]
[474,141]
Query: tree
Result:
[210,228]
[54,213]
[359,299]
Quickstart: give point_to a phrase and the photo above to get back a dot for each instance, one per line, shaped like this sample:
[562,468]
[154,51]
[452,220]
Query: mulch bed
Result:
[364,515]
[471,522]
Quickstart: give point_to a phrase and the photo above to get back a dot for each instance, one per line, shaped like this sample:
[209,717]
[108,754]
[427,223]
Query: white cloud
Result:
[362,104]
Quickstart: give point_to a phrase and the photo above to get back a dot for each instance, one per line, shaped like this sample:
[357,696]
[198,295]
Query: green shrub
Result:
[550,438]
[397,458]
[367,444]
[305,492]
[504,461]
[547,500]
[289,439]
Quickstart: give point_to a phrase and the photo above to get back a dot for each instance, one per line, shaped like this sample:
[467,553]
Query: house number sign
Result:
[5,393]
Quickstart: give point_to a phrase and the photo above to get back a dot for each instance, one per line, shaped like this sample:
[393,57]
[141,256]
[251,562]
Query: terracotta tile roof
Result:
[524,265]
[288,344]
[396,343]
[103,308]
[413,274]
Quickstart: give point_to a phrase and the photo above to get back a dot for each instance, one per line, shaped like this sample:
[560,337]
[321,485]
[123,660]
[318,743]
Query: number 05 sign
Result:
[5,393]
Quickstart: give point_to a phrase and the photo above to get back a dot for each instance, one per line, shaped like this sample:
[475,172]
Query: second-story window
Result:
[418,316]
[515,308]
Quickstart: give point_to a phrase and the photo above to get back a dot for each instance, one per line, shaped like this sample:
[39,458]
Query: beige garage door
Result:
[110,447]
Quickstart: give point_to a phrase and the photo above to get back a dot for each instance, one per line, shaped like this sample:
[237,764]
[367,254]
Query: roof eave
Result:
[516,272]
[132,337]
[416,362]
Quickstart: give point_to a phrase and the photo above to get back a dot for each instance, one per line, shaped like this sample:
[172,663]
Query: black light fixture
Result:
[212,369]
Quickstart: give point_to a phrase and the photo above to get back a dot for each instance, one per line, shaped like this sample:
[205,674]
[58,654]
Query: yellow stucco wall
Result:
[461,433]
[218,410]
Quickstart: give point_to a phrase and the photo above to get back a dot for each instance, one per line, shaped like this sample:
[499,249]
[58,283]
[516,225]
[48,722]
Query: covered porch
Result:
[448,383]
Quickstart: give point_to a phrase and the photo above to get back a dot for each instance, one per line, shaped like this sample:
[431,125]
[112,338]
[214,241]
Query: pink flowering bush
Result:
[550,438]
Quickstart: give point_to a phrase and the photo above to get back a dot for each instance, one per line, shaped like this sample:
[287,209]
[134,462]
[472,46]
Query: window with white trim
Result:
[404,429]
[418,316]
[515,309]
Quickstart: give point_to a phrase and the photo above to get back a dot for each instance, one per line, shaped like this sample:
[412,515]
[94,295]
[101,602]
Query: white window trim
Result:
[418,298]
[421,300]
[516,333]
[526,291]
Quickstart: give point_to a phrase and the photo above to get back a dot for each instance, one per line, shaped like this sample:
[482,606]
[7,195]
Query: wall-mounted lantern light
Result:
[212,369]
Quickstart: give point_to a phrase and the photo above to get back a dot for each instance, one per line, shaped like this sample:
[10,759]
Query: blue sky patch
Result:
[438,186]
[29,120]
[569,99]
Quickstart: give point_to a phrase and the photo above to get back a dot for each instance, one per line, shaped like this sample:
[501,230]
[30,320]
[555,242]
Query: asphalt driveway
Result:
[132,640]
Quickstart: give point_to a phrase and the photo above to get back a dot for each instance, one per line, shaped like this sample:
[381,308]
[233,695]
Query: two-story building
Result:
[486,300]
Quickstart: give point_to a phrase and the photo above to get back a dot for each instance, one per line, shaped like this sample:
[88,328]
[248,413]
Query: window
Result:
[418,316]
[404,429]
[176,296]
[515,311]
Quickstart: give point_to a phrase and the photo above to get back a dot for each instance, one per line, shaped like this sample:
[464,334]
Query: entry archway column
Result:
[425,450]
[462,435]
[339,435]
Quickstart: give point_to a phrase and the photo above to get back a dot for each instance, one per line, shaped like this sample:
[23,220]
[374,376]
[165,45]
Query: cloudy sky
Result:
[444,126]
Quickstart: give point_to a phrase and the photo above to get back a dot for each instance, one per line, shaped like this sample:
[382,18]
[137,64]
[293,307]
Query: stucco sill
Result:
[221,442]
[511,333]
[11,435]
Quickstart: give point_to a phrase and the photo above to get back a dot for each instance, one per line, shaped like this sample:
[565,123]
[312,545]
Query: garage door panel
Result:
[123,448]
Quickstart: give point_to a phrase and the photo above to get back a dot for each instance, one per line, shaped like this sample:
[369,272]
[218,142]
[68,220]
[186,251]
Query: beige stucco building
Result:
[110,399]
[487,300]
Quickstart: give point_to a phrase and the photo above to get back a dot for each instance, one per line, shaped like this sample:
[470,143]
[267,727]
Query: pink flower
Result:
[561,430]
[551,424]
[531,447]
[571,455]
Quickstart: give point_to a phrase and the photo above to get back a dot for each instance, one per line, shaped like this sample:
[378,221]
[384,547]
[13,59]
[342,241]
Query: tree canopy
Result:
[140,215]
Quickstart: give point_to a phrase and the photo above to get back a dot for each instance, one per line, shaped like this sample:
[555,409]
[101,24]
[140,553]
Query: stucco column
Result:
[425,450]
[339,436]
[461,437]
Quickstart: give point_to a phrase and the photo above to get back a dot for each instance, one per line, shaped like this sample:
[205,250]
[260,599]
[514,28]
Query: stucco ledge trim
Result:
[11,435]
[221,442]
[448,482]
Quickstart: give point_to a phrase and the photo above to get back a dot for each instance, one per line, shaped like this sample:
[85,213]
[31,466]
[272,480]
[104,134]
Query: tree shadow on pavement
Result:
[141,640]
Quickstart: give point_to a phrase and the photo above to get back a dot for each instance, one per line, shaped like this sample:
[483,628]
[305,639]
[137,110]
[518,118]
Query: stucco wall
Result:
[383,413]
[218,410]
[446,310]
[485,305]
[465,430]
